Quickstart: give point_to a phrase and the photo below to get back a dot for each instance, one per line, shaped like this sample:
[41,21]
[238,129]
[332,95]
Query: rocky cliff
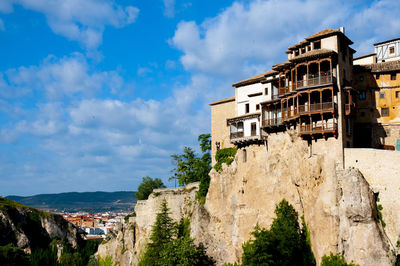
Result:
[29,228]
[338,205]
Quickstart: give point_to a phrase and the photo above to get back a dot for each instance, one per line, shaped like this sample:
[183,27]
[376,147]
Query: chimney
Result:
[341,29]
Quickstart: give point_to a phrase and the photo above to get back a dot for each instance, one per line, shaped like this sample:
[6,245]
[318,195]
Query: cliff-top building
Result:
[316,94]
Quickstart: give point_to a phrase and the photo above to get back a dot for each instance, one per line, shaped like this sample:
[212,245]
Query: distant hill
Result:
[81,201]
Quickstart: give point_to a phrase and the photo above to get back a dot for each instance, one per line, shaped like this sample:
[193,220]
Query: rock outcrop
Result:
[29,228]
[338,205]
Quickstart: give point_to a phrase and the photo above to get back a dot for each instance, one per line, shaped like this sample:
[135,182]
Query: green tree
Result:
[185,170]
[335,260]
[284,244]
[204,166]
[171,244]
[163,230]
[190,168]
[147,186]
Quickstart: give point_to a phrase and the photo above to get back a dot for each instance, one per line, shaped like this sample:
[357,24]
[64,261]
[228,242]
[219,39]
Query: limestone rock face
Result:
[28,228]
[338,205]
[361,235]
[127,246]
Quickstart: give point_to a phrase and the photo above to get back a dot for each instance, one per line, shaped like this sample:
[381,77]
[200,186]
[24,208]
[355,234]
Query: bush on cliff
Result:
[171,244]
[283,244]
[335,260]
[147,186]
[226,156]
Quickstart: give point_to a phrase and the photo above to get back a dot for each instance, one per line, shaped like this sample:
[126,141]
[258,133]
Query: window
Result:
[393,76]
[296,53]
[218,145]
[397,94]
[385,112]
[244,155]
[253,127]
[266,91]
[303,50]
[391,50]
[317,45]
[247,108]
[377,76]
[257,107]
[382,95]
[363,95]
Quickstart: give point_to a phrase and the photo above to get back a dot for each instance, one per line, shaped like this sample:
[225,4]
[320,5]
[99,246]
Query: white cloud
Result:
[82,21]
[60,77]
[169,8]
[248,38]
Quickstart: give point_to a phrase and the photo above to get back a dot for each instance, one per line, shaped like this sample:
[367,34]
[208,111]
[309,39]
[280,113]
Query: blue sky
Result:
[96,94]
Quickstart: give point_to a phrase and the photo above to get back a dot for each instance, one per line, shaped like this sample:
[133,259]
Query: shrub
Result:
[335,260]
[284,244]
[226,156]
[147,186]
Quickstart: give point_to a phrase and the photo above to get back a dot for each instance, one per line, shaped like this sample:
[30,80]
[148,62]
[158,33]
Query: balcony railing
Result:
[235,135]
[314,81]
[316,107]
[309,129]
[272,122]
[274,96]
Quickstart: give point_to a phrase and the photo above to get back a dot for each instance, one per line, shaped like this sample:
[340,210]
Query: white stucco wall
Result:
[330,43]
[382,51]
[365,61]
[242,97]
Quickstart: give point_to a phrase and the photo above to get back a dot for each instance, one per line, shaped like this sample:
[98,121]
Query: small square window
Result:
[257,107]
[317,45]
[377,76]
[391,50]
[385,112]
[266,91]
[397,94]
[247,108]
[393,76]
[381,95]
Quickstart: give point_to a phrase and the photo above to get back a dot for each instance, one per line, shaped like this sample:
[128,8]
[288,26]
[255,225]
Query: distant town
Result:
[96,225]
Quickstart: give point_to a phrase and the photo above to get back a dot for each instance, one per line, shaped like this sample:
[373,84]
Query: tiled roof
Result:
[254,79]
[277,66]
[386,66]
[319,35]
[230,99]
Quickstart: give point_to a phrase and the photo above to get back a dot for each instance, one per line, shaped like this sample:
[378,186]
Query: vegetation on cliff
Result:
[147,186]
[285,243]
[335,260]
[171,244]
[189,167]
[226,156]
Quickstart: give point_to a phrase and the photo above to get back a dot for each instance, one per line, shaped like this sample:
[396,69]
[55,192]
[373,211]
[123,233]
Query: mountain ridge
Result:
[80,201]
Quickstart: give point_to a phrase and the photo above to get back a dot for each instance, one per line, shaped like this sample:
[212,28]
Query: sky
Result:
[96,94]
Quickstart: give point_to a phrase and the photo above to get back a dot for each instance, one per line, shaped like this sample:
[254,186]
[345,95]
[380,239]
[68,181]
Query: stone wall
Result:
[381,169]
[220,131]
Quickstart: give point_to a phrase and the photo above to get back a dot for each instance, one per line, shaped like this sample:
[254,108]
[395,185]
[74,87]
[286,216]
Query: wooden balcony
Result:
[275,122]
[323,129]
[317,108]
[322,80]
